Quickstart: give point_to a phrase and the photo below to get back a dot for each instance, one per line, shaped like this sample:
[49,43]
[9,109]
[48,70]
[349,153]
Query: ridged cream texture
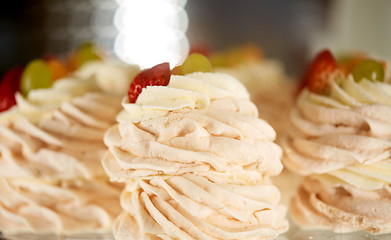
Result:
[34,206]
[343,140]
[51,144]
[342,207]
[190,206]
[270,90]
[196,172]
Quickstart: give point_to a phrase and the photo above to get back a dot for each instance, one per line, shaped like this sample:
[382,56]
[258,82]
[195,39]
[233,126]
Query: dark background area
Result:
[282,28]
[22,35]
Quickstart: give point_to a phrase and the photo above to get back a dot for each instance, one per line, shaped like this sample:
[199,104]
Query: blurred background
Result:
[147,32]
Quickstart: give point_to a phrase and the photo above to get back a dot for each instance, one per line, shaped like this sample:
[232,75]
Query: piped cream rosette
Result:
[197,161]
[342,142]
[51,144]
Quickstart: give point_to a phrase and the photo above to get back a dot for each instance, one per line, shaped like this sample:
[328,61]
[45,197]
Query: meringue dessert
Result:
[270,88]
[340,141]
[51,143]
[195,158]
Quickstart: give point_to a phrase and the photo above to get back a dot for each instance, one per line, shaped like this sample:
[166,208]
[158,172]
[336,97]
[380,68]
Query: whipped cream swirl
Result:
[193,91]
[51,144]
[270,89]
[51,168]
[343,207]
[193,155]
[189,206]
[67,207]
[348,131]
[342,141]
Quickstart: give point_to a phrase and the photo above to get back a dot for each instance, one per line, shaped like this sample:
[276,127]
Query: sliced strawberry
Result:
[8,87]
[320,72]
[158,75]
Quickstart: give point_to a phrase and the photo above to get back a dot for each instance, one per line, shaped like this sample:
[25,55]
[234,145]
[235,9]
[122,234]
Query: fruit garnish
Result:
[158,75]
[201,49]
[195,63]
[237,56]
[321,71]
[244,54]
[8,87]
[84,53]
[369,69]
[176,70]
[71,62]
[347,62]
[36,75]
[57,68]
[251,52]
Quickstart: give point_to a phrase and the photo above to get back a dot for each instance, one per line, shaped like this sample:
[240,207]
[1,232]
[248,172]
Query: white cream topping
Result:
[193,91]
[111,77]
[369,177]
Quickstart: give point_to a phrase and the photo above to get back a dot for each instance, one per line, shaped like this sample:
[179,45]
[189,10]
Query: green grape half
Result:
[36,75]
[195,63]
[369,69]
[85,53]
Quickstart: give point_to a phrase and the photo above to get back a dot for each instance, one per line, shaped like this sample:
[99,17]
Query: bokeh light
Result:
[151,35]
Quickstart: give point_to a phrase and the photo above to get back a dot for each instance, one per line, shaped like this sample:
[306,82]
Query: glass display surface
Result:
[294,233]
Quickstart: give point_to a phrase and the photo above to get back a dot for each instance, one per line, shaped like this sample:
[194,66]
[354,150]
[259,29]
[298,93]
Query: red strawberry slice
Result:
[158,75]
[322,68]
[8,87]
